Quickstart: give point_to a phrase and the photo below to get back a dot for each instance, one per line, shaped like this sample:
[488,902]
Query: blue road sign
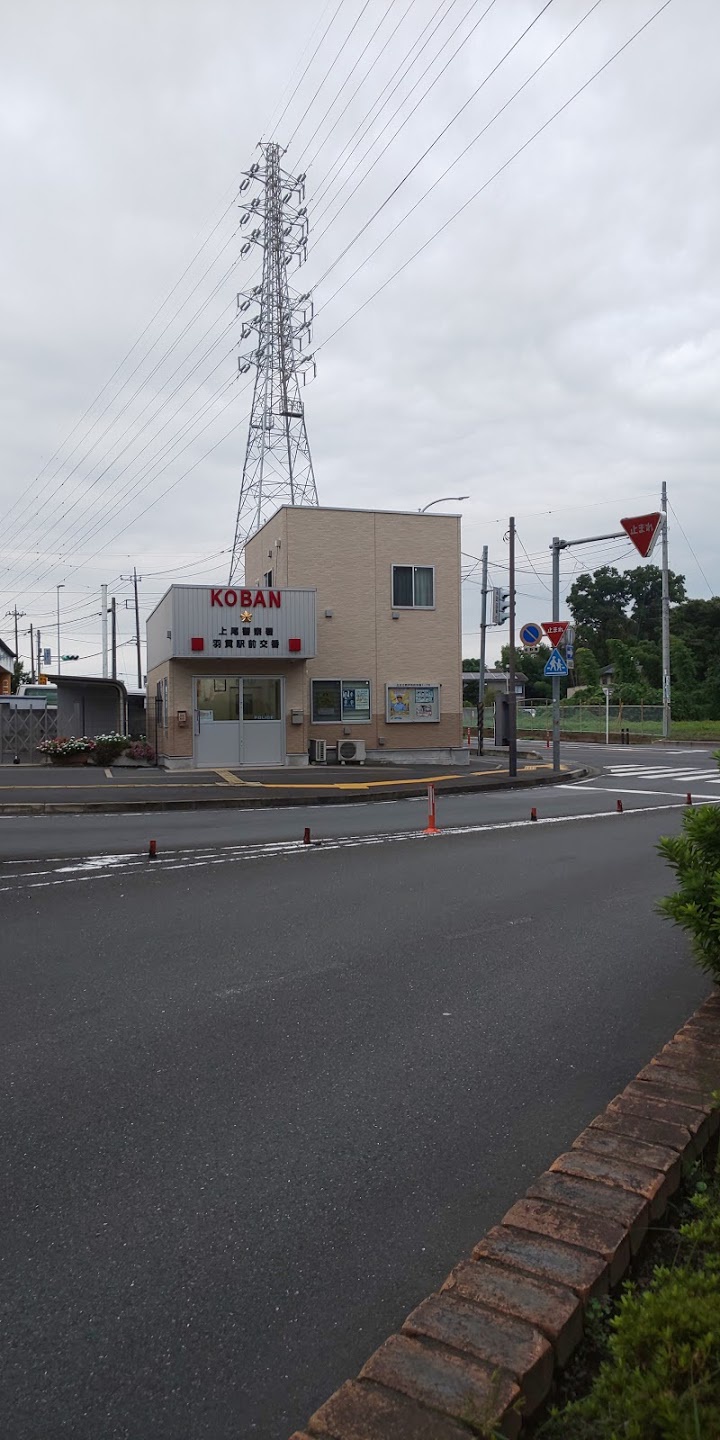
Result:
[556,665]
[531,634]
[570,655]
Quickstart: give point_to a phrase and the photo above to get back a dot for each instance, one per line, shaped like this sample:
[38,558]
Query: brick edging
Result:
[483,1350]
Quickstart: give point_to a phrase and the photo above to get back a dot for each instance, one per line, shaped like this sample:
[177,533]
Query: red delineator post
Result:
[431,826]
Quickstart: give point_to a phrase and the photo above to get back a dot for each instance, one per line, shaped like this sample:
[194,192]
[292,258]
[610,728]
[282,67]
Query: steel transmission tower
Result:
[278,467]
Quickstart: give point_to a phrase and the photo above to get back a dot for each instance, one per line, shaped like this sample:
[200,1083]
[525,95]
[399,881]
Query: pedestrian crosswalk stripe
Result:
[661,772]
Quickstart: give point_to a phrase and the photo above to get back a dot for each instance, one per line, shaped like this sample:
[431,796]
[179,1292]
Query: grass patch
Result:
[649,1367]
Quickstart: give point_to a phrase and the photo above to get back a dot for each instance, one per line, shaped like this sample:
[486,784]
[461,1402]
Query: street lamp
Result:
[58,588]
[442,501]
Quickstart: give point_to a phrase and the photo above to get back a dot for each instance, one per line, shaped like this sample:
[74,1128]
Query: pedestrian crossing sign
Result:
[556,664]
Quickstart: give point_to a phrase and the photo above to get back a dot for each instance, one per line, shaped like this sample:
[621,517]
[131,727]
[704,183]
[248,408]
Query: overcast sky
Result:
[554,352]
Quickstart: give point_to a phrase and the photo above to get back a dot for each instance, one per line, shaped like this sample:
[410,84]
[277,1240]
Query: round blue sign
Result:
[531,634]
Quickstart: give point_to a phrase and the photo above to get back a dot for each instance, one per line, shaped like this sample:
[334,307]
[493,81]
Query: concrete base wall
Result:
[445,756]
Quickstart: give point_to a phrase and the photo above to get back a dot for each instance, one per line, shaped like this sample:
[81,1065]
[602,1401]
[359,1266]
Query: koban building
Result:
[342,642]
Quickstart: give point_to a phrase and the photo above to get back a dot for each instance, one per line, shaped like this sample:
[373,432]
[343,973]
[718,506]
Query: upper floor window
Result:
[413,587]
[267,579]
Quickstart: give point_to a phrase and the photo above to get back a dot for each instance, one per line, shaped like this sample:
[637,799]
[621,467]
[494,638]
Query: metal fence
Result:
[535,718]
[21,731]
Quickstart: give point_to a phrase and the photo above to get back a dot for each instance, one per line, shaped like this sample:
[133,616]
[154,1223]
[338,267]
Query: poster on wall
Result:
[412,703]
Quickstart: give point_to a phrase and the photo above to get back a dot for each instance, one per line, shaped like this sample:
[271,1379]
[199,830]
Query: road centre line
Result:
[271,850]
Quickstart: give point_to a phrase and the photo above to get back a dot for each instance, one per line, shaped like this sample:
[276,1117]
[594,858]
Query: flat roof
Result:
[361,510]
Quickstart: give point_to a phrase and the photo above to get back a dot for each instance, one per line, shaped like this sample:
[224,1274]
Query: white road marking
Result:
[626,790]
[200,859]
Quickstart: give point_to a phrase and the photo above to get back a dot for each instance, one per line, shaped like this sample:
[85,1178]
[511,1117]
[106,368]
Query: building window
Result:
[413,587]
[267,580]
[413,704]
[340,700]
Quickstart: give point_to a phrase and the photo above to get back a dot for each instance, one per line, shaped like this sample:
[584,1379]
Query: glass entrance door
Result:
[263,726]
[217,721]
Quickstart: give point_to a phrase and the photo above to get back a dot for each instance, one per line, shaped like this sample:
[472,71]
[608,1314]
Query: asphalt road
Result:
[259,1097]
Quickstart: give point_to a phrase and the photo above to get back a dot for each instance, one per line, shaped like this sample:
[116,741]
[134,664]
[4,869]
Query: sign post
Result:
[667,713]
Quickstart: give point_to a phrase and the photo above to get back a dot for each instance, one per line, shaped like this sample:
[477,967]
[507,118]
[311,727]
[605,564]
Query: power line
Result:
[126,357]
[321,194]
[348,102]
[317,49]
[501,168]
[338,93]
[33,500]
[463,152]
[329,71]
[690,548]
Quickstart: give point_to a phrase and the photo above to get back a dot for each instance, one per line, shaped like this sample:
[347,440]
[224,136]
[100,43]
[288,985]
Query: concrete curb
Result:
[266,800]
[484,1349]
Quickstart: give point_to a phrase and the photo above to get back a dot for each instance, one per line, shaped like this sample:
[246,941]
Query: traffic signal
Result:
[69,657]
[500,605]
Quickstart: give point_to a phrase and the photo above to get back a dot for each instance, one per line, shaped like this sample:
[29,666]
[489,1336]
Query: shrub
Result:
[661,1380]
[108,747]
[694,856]
[140,750]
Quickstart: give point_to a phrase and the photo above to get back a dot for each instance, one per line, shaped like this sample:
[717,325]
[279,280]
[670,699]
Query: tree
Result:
[19,677]
[587,669]
[630,683]
[597,604]
[644,591]
[697,622]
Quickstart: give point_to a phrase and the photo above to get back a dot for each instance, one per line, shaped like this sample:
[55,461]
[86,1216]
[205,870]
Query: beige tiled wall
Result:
[348,555]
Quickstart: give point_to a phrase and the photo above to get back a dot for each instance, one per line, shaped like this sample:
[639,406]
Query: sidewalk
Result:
[32,789]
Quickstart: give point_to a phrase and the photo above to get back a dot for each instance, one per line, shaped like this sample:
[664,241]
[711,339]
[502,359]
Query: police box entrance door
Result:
[238,721]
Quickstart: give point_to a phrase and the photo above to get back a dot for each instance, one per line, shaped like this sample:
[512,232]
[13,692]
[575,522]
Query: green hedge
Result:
[661,1380]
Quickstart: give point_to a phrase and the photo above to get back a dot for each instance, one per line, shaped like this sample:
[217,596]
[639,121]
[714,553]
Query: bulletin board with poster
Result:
[412,704]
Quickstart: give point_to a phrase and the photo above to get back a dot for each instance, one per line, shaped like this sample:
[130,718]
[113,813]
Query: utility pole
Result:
[113,636]
[134,578]
[557,546]
[512,751]
[483,638]
[32,653]
[104,624]
[39,664]
[58,588]
[278,468]
[16,615]
[665,620]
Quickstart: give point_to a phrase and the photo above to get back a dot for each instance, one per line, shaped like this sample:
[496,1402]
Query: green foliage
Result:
[597,604]
[19,677]
[631,684]
[108,747]
[644,590]
[661,1377]
[694,856]
[587,669]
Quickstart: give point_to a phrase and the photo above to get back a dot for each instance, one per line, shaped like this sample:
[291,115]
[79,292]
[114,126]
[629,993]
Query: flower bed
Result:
[68,750]
[103,750]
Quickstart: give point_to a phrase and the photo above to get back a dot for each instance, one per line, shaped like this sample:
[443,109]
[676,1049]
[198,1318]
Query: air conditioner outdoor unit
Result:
[351,752]
[318,752]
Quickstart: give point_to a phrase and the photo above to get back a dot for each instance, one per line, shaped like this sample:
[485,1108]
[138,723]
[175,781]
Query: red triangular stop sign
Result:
[643,531]
[555,629]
